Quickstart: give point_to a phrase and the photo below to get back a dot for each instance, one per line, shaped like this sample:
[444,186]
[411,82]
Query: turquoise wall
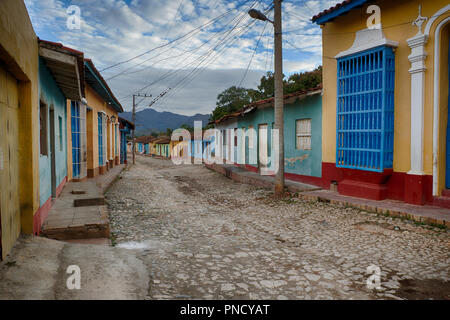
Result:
[51,95]
[301,162]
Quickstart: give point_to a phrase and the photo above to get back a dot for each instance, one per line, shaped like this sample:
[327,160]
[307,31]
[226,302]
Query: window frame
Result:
[43,128]
[303,135]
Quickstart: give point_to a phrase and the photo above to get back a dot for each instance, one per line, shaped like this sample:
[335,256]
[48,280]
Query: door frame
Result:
[52,151]
[261,167]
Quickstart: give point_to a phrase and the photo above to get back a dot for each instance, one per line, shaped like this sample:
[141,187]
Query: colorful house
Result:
[60,78]
[163,147]
[19,124]
[251,136]
[94,142]
[125,128]
[385,103]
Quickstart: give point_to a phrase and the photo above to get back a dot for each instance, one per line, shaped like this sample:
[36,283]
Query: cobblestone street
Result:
[203,236]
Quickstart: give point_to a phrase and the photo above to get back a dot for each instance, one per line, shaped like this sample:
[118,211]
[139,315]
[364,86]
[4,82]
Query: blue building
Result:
[59,79]
[125,128]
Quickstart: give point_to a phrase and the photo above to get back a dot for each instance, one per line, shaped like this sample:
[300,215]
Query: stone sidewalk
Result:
[80,211]
[244,176]
[431,215]
[423,214]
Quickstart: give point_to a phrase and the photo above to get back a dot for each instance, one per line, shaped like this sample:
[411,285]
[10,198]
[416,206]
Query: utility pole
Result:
[134,122]
[279,103]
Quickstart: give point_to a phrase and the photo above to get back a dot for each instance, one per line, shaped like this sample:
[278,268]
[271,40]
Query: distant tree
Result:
[303,81]
[154,134]
[266,86]
[229,101]
[235,98]
[187,127]
[169,132]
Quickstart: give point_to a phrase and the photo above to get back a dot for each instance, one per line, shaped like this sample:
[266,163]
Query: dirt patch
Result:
[429,289]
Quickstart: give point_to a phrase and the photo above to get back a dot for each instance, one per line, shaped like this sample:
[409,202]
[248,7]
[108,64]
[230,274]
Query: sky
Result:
[191,49]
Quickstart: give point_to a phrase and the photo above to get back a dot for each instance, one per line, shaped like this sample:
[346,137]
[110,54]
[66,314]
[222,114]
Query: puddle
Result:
[433,289]
[142,245]
[133,245]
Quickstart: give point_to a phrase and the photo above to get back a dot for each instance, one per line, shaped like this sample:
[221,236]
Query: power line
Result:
[175,40]
[253,55]
[207,54]
[192,51]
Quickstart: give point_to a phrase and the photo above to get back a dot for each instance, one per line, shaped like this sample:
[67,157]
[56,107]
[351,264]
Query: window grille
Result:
[100,140]
[79,150]
[365,110]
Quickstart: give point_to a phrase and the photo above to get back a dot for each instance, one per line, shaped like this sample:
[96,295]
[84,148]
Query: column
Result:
[414,192]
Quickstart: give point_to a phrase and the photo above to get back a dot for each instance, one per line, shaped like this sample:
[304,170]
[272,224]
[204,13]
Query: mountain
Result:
[150,120]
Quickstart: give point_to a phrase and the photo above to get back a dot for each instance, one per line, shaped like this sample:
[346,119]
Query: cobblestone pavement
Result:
[203,236]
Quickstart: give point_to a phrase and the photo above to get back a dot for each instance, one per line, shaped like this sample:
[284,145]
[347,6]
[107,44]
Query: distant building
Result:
[125,128]
[246,137]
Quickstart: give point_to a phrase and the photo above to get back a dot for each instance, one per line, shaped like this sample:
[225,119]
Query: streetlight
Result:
[279,103]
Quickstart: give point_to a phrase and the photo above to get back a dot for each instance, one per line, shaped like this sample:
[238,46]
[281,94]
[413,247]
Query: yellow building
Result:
[94,142]
[385,102]
[19,126]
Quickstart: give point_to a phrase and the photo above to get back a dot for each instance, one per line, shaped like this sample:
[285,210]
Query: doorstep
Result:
[80,211]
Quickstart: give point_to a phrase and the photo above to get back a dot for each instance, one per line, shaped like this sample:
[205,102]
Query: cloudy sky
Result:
[197,48]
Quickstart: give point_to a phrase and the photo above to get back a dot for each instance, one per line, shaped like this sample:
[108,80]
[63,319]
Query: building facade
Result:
[60,71]
[19,126]
[94,142]
[246,137]
[385,102]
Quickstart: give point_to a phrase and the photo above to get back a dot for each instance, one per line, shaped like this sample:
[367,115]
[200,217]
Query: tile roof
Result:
[337,10]
[256,104]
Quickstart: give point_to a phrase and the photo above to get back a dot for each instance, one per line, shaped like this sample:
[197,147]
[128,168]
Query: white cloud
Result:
[116,30]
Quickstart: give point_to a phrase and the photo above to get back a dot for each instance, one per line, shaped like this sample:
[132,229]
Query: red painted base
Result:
[377,186]
[366,190]
[251,168]
[42,213]
[414,189]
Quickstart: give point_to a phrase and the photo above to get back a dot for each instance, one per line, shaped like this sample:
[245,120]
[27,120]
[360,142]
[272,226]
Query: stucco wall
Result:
[52,96]
[19,55]
[300,162]
[396,19]
[96,104]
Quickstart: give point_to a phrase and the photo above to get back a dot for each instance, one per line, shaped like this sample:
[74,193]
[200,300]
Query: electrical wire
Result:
[177,39]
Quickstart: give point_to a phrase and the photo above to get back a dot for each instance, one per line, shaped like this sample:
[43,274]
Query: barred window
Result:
[303,134]
[365,110]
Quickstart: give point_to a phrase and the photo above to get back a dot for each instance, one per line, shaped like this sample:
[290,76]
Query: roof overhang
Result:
[95,80]
[124,123]
[338,10]
[66,67]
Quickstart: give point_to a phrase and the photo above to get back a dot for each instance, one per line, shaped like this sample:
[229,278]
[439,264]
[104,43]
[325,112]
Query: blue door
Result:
[76,143]
[447,167]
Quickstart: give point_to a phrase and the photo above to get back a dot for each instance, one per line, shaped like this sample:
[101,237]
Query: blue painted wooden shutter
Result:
[365,110]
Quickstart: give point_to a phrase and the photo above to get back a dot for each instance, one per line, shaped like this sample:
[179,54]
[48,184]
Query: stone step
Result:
[446,193]
[443,202]
[88,202]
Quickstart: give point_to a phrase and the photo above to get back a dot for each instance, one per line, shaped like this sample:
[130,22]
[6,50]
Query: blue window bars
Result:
[365,110]
[76,139]
[100,140]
